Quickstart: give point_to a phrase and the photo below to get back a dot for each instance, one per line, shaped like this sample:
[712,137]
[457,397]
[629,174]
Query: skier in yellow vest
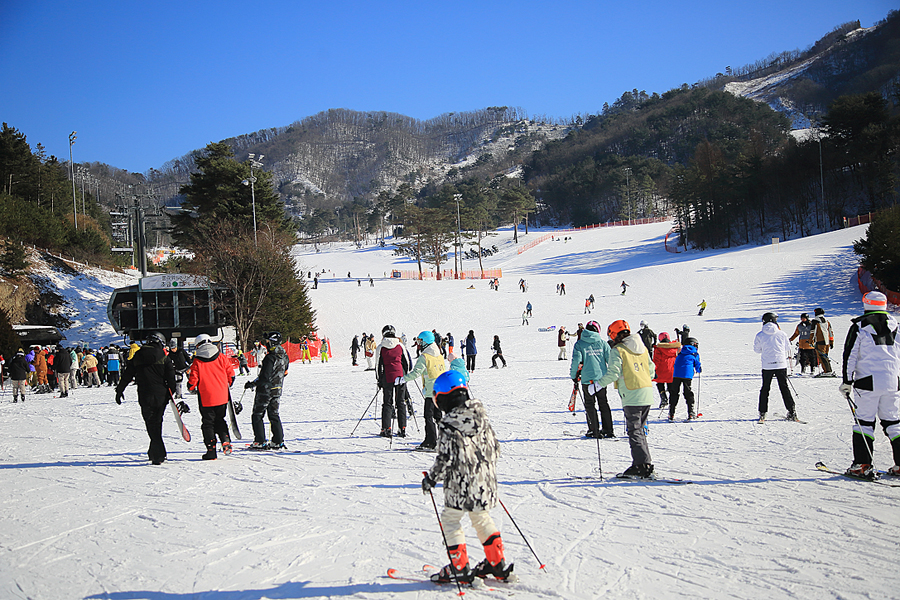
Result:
[630,367]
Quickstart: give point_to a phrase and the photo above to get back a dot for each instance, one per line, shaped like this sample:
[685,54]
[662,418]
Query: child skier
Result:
[467,464]
[686,363]
[664,354]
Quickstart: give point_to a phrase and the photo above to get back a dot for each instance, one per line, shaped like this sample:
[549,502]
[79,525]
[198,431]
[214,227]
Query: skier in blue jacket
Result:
[686,364]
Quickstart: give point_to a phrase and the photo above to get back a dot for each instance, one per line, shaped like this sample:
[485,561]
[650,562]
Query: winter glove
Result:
[250,385]
[846,390]
[832,345]
[183,407]
[238,407]
[119,397]
[427,483]
[398,381]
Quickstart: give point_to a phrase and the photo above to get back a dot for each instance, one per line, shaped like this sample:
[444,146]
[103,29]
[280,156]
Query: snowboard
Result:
[184,430]
[232,419]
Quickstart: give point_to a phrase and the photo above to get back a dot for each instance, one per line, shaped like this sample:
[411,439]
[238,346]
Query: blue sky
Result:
[146,82]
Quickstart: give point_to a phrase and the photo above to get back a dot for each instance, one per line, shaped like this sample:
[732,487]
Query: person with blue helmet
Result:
[466,461]
[429,364]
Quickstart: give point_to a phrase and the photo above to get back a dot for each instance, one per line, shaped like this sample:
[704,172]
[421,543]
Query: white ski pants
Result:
[883,405]
[452,521]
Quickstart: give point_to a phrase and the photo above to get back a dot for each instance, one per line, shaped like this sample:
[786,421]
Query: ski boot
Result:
[861,471]
[226,448]
[385,433]
[210,450]
[791,416]
[258,446]
[643,471]
[458,569]
[762,417]
[493,563]
[894,471]
[691,414]
[402,432]
[591,434]
[274,446]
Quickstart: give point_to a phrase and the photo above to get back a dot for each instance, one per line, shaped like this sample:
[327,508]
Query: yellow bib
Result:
[635,369]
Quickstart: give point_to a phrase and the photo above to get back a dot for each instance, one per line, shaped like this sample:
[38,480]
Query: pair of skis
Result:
[427,570]
[822,467]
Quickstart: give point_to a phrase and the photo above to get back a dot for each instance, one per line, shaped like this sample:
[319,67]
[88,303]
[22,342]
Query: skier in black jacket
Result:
[18,373]
[182,362]
[153,372]
[268,394]
[62,364]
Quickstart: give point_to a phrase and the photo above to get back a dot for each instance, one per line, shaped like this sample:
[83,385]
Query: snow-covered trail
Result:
[85,516]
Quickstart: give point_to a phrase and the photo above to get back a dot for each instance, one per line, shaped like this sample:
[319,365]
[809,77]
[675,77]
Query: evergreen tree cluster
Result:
[36,203]
[724,166]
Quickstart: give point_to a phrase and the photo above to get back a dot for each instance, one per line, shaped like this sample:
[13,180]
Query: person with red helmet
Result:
[635,387]
[210,377]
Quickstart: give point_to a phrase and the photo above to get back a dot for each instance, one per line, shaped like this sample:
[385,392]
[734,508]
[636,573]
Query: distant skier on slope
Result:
[467,464]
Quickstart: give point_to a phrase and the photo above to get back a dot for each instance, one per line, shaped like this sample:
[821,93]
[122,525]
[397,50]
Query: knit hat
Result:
[874,301]
[819,311]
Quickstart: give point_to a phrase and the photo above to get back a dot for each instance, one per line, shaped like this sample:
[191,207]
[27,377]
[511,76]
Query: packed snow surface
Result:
[84,515]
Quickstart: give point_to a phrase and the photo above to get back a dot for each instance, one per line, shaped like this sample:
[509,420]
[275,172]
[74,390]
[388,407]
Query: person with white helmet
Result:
[153,372]
[211,375]
[774,348]
[871,372]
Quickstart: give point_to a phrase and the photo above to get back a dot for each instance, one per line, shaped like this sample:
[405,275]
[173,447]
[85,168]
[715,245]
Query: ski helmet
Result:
[692,342]
[644,324]
[156,338]
[173,344]
[618,329]
[450,390]
[593,326]
[770,317]
[274,337]
[202,339]
[874,301]
[804,316]
[685,327]
[664,337]
[388,331]
[426,337]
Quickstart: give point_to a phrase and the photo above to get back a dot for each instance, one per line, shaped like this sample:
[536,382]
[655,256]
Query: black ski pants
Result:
[393,394]
[153,419]
[432,416]
[264,405]
[495,357]
[591,403]
[212,424]
[470,362]
[781,376]
[674,387]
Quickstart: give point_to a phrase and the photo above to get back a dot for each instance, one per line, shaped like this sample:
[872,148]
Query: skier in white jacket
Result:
[871,376]
[775,349]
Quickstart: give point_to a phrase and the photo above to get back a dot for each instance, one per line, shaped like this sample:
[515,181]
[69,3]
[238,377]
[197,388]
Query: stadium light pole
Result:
[254,163]
[72,138]
[458,235]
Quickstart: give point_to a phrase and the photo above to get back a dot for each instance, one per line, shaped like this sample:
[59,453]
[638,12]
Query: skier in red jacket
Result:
[211,377]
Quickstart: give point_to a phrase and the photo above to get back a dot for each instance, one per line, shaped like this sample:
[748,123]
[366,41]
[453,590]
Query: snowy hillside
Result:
[85,516]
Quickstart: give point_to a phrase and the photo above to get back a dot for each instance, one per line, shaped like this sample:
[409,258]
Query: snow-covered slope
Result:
[85,516]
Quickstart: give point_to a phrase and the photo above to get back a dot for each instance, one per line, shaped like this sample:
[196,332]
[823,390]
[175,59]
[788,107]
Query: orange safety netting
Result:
[294,351]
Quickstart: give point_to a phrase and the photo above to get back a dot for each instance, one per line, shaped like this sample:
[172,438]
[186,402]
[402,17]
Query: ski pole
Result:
[599,461]
[522,534]
[444,537]
[859,426]
[699,414]
[409,408]
[365,413]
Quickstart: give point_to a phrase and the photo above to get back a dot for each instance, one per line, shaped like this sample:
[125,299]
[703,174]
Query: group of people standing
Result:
[44,369]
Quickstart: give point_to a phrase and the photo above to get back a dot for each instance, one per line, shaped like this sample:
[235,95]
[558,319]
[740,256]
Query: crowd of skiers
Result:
[46,369]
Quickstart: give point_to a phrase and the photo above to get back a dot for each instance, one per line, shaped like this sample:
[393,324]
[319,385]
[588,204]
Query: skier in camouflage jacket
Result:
[467,453]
